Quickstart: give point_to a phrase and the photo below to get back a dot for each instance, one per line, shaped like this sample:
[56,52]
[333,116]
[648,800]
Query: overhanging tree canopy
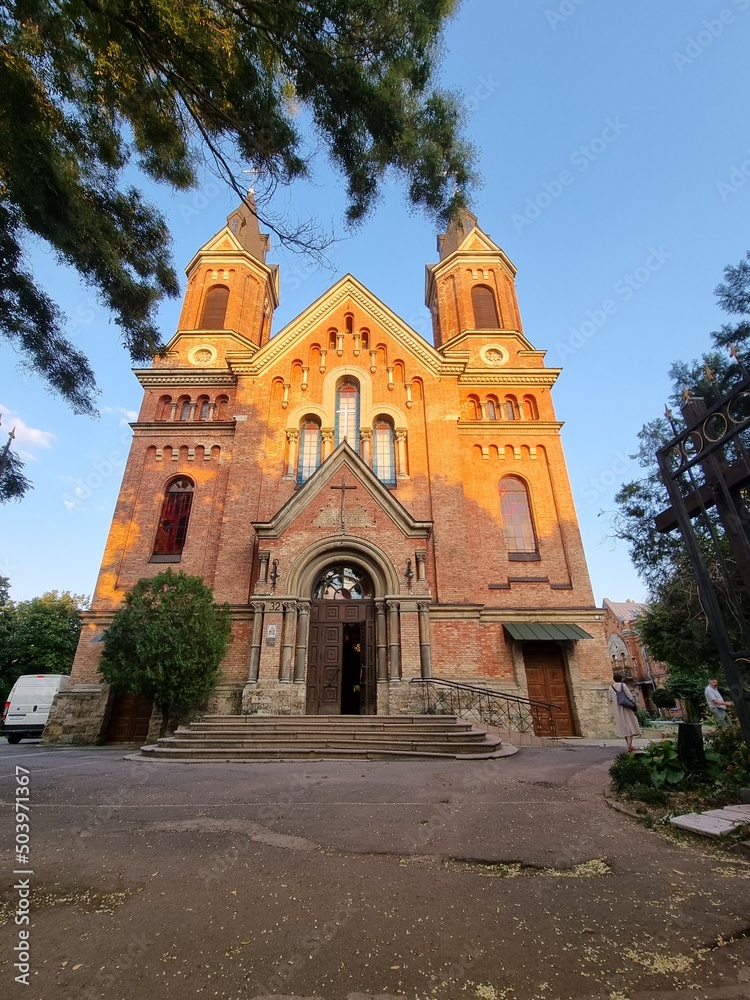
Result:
[89,86]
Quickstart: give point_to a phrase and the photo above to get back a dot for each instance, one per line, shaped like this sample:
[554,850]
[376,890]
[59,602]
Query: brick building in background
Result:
[345,485]
[628,654]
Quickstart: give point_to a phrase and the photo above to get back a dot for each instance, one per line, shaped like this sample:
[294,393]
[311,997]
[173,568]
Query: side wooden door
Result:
[129,719]
[545,677]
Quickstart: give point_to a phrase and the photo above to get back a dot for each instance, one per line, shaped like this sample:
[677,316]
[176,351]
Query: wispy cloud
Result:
[126,416]
[30,437]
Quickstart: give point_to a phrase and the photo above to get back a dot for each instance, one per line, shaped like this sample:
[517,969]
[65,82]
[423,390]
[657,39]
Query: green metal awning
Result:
[538,631]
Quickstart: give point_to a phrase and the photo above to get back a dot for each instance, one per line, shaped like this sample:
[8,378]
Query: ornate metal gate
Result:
[706,470]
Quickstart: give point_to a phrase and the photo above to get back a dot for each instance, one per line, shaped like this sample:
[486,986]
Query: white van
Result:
[28,705]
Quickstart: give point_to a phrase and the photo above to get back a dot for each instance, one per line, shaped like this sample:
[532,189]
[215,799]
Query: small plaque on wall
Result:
[271,632]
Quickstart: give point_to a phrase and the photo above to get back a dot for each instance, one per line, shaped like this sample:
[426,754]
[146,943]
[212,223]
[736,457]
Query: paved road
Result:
[502,880]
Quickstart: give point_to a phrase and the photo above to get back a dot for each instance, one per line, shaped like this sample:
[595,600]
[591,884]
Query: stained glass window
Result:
[309,450]
[516,513]
[174,517]
[343,583]
[383,453]
[347,415]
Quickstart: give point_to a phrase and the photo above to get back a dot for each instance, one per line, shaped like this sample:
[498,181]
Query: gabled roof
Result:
[624,611]
[347,288]
[344,459]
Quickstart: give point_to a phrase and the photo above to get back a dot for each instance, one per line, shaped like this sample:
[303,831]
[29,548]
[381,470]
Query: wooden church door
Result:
[341,659]
[545,677]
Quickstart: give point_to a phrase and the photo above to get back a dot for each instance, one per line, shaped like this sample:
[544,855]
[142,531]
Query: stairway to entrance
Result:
[330,737]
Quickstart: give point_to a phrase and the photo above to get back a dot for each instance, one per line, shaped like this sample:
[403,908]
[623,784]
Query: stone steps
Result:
[329,737]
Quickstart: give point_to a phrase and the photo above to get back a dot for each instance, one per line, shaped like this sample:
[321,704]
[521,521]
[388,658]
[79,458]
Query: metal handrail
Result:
[510,712]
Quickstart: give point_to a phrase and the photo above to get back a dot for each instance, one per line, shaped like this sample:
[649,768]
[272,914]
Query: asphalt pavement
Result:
[508,879]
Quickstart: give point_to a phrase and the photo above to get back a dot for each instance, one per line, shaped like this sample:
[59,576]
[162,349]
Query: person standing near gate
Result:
[715,702]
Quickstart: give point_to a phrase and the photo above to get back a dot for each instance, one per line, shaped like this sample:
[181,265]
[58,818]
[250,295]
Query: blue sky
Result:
[614,143]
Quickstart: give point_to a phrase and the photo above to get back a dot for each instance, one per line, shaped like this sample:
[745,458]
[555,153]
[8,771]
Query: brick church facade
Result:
[347,486]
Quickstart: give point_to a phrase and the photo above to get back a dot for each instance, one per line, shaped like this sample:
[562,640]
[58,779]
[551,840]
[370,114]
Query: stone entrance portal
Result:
[341,676]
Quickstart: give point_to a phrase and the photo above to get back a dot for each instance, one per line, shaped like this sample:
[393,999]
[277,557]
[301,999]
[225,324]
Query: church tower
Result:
[345,485]
[230,287]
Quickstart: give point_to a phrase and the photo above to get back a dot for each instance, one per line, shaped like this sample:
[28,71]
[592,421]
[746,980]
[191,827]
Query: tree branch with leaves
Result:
[89,88]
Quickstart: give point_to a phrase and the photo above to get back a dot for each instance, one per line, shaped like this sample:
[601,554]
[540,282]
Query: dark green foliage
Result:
[38,636]
[166,643]
[88,89]
[732,753]
[13,484]
[644,719]
[659,766]
[663,698]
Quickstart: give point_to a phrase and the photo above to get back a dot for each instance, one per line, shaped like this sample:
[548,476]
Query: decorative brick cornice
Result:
[509,428]
[185,428]
[509,376]
[168,378]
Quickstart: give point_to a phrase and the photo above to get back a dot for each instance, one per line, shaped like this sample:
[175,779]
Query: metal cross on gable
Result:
[343,487]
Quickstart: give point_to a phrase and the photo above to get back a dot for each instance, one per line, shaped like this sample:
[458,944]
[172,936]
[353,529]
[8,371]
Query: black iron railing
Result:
[508,712]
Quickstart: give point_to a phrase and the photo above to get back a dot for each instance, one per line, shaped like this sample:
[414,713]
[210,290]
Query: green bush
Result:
[662,698]
[644,719]
[731,753]
[658,766]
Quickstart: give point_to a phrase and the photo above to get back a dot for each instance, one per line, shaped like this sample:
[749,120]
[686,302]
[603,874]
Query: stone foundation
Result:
[226,699]
[271,697]
[77,716]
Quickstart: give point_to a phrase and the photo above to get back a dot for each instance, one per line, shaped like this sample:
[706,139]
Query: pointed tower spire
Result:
[449,241]
[243,223]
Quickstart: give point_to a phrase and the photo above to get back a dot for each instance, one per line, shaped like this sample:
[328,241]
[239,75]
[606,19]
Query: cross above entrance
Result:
[343,487]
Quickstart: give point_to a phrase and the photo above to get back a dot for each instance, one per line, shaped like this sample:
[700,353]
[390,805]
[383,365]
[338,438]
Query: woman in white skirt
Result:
[626,721]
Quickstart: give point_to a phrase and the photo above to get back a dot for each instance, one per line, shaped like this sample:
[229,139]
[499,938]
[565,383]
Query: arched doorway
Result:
[341,677]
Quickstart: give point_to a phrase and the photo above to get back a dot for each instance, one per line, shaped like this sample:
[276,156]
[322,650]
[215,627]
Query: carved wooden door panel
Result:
[324,660]
[314,675]
[545,676]
[369,675]
[325,669]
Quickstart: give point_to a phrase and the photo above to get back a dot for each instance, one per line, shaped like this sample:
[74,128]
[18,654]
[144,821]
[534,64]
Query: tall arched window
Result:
[516,513]
[384,452]
[215,308]
[347,415]
[174,517]
[485,308]
[309,449]
[222,406]
[491,411]
[164,408]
